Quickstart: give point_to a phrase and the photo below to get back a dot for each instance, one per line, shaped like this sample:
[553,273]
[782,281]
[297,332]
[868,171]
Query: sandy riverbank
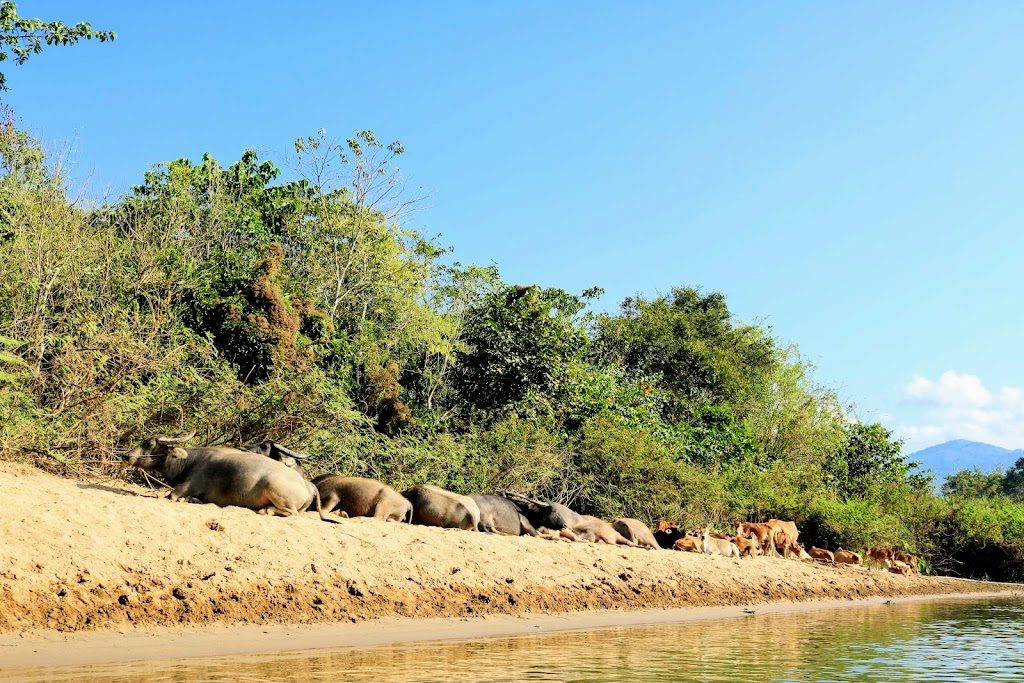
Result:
[81,556]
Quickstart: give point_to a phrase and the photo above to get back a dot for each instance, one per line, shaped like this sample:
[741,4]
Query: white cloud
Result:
[951,389]
[959,406]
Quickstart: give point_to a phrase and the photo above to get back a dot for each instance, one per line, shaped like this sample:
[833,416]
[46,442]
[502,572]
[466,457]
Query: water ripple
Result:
[952,640]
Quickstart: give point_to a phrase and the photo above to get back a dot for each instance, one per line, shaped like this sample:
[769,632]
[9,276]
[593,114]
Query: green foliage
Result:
[974,484]
[691,342]
[1013,481]
[21,38]
[982,538]
[247,306]
[519,345]
[870,457]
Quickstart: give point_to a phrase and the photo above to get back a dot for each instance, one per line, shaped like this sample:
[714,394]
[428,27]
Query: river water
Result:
[944,640]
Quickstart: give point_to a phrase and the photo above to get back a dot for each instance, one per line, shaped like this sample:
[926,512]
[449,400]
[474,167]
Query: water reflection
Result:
[952,640]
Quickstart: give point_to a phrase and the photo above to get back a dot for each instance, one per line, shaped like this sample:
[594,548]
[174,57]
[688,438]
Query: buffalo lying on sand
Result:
[434,506]
[567,522]
[359,497]
[498,515]
[225,476]
[636,531]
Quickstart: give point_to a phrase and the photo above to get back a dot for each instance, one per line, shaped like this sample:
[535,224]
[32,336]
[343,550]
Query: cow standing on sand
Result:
[225,476]
[762,532]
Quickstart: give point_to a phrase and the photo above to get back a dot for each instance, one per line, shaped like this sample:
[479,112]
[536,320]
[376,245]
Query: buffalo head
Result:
[152,452]
[276,451]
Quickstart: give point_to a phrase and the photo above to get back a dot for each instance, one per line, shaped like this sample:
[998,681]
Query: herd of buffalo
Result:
[269,478]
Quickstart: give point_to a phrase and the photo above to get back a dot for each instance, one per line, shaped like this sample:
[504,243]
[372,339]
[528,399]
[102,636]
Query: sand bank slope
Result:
[77,555]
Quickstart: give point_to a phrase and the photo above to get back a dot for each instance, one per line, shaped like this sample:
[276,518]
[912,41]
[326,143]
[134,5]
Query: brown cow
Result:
[748,545]
[899,568]
[847,557]
[879,556]
[762,532]
[788,527]
[690,544]
[821,554]
[783,543]
[908,559]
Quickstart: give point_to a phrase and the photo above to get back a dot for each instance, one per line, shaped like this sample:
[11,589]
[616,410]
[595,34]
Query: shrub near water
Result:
[230,301]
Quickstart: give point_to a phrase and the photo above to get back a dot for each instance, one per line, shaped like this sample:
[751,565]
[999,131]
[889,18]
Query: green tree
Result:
[974,484]
[1013,481]
[691,342]
[870,457]
[21,38]
[520,343]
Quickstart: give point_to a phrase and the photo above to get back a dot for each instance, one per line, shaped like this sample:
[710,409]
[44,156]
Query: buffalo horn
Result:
[289,452]
[510,495]
[169,440]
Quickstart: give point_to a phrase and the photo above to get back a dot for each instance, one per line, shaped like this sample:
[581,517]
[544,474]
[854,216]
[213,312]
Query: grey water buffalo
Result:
[569,523]
[225,476]
[359,497]
[596,530]
[499,515]
[434,506]
[636,531]
[545,517]
[275,451]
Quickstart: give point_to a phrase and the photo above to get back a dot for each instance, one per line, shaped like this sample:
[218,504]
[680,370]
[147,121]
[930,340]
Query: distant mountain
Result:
[953,456]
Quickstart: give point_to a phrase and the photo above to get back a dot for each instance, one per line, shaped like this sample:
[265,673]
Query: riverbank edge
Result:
[51,649]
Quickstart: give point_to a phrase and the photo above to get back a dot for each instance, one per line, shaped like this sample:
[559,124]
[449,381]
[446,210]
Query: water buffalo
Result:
[636,531]
[359,497]
[668,533]
[433,506]
[225,476]
[569,523]
[500,515]
[283,455]
[553,517]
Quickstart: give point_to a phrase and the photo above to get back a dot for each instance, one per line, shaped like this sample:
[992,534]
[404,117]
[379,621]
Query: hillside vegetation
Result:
[248,304]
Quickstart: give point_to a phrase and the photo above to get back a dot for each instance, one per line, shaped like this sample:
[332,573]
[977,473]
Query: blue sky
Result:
[848,174]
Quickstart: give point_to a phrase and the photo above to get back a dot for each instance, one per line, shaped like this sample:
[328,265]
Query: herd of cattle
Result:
[269,478]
